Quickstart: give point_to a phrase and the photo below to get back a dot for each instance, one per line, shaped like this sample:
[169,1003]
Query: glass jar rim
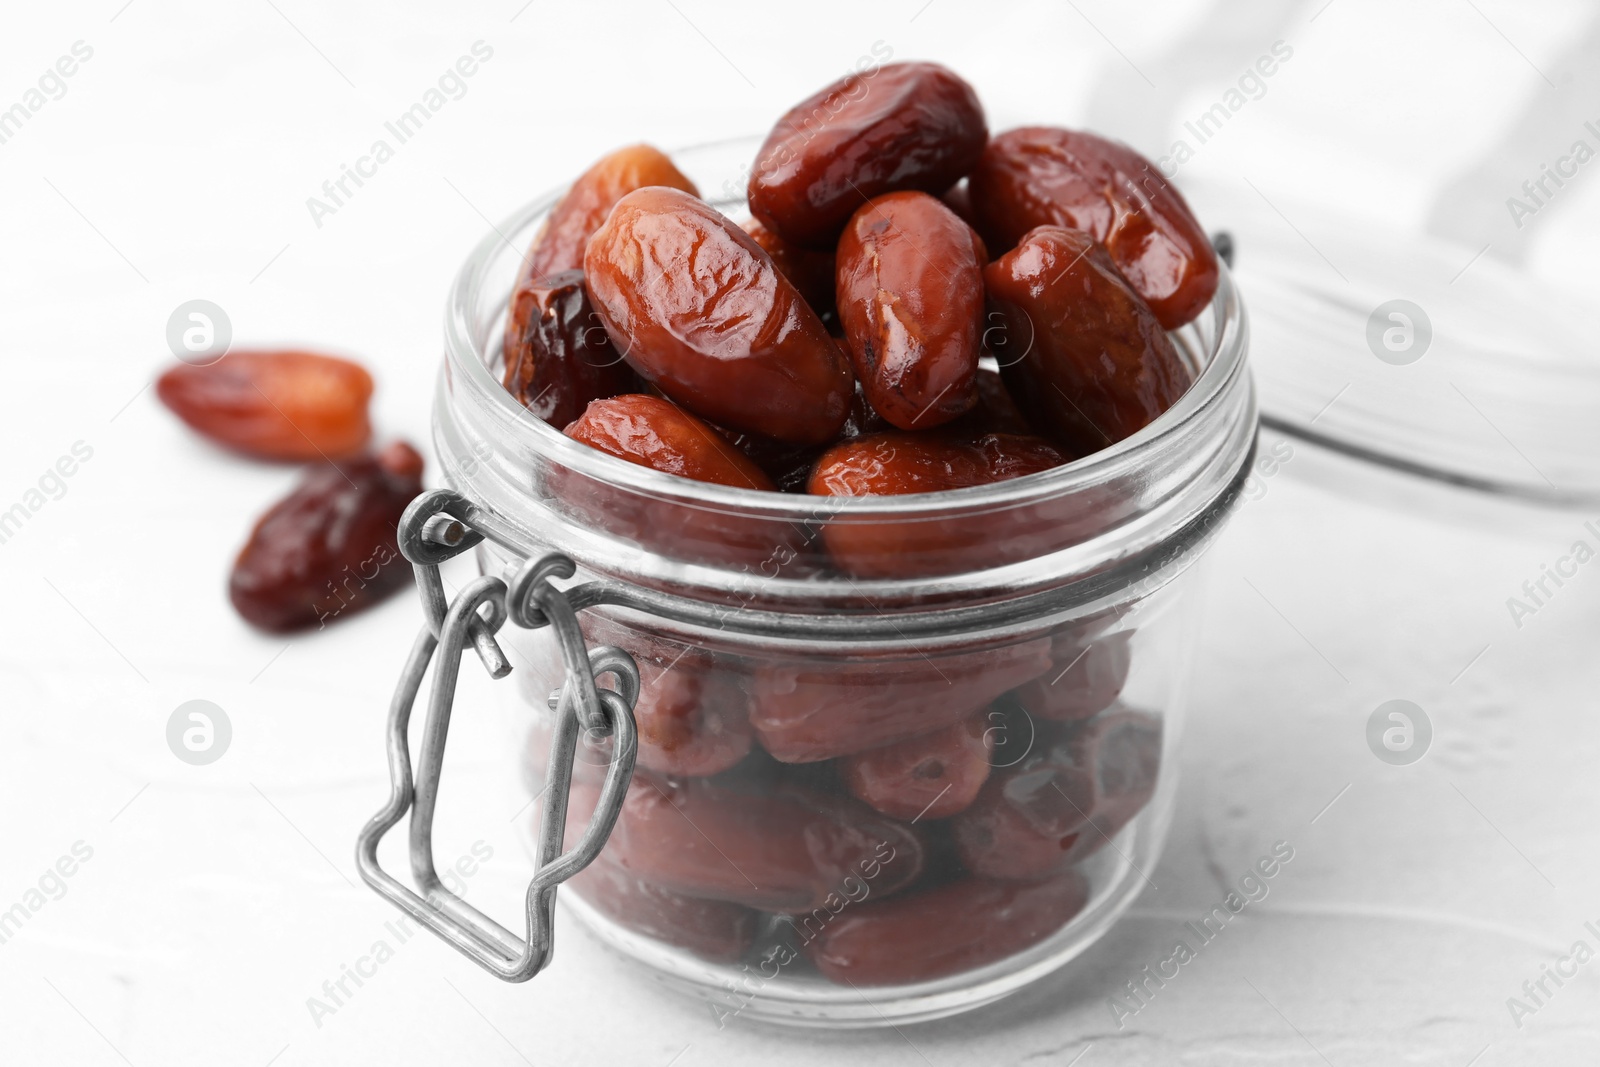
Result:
[1133,513]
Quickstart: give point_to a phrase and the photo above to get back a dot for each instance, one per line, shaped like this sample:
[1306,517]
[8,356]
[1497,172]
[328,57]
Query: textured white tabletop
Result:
[207,905]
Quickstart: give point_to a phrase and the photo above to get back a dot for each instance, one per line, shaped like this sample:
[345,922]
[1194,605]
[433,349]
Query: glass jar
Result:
[897,756]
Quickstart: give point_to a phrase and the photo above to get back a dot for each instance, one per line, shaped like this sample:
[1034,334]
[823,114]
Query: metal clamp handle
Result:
[430,533]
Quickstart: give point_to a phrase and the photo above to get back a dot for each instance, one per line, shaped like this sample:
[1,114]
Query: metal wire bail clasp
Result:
[436,527]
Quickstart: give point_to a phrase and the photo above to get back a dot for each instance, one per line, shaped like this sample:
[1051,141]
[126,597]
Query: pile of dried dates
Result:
[914,306]
[888,819]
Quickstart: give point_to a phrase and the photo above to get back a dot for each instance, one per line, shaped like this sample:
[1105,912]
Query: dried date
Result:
[566,231]
[809,269]
[284,405]
[1083,680]
[712,929]
[932,776]
[328,549]
[562,358]
[897,463]
[803,712]
[1046,176]
[657,434]
[692,716]
[1064,801]
[910,295]
[700,311]
[774,852]
[941,931]
[1080,351]
[900,126]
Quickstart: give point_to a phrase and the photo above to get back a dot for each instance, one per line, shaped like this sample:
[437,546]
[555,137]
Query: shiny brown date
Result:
[932,776]
[910,295]
[657,434]
[1081,352]
[286,405]
[692,716]
[1029,816]
[711,929]
[804,712]
[1045,176]
[1083,680]
[700,311]
[942,931]
[328,548]
[900,126]
[769,851]
[1124,749]
[564,235]
[572,222]
[896,463]
[809,269]
[562,359]
[1064,800]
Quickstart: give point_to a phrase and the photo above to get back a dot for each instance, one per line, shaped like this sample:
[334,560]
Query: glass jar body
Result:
[949,819]
[875,797]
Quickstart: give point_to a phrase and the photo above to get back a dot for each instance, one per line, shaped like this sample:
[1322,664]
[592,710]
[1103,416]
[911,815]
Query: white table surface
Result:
[218,899]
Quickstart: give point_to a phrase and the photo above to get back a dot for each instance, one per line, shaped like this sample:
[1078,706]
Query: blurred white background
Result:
[176,162]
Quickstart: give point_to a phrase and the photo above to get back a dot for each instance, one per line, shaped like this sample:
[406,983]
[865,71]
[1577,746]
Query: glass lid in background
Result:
[1412,350]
